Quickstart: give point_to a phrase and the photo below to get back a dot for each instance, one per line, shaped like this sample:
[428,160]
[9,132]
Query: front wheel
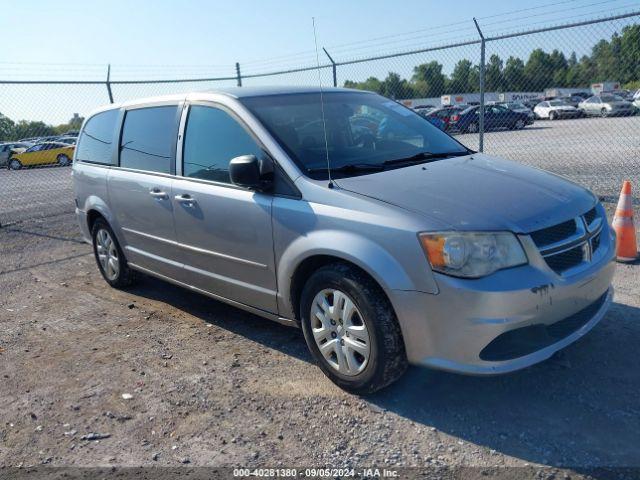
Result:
[351,329]
[519,125]
[603,112]
[553,116]
[109,256]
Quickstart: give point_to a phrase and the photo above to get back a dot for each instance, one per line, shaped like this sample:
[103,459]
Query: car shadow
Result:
[579,408]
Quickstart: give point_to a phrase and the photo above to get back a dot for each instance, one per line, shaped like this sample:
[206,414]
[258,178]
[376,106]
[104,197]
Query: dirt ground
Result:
[167,377]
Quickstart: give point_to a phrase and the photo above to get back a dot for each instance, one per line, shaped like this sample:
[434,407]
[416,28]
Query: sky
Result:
[70,39]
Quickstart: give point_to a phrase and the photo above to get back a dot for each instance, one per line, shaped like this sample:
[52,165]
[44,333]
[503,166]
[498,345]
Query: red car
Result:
[445,114]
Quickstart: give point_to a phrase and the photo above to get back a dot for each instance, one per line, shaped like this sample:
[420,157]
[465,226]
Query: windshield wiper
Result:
[422,156]
[350,167]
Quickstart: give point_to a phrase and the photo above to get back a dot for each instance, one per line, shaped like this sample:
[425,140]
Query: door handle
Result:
[157,193]
[186,199]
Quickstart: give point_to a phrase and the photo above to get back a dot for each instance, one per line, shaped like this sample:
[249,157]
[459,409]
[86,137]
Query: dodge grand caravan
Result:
[386,240]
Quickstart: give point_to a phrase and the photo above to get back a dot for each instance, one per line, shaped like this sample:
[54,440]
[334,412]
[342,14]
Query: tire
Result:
[519,125]
[14,164]
[553,115]
[472,127]
[603,112]
[63,160]
[372,320]
[119,277]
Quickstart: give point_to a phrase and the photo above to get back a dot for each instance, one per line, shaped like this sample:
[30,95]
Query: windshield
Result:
[363,132]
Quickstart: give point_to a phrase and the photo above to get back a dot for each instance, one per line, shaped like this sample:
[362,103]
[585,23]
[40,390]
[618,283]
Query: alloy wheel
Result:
[107,254]
[340,332]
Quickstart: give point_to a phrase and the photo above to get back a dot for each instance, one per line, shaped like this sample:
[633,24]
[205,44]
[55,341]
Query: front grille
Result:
[568,244]
[554,234]
[595,242]
[590,216]
[561,262]
[525,340]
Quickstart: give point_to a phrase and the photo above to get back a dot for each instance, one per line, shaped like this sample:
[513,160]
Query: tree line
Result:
[10,130]
[617,59]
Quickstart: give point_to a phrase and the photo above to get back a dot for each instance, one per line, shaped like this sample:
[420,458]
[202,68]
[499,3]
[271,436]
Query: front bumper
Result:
[453,329]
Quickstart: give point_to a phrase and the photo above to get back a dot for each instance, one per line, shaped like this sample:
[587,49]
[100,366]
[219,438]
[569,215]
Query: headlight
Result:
[472,254]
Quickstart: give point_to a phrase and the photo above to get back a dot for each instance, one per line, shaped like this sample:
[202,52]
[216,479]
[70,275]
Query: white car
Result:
[555,109]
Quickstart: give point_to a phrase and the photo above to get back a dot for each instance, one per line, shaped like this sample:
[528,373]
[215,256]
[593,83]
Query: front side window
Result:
[212,138]
[148,139]
[393,133]
[35,148]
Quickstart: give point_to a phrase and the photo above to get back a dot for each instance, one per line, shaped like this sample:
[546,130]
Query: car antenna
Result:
[324,123]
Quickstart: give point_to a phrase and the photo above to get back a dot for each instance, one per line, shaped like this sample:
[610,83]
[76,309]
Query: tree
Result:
[559,65]
[372,84]
[395,87]
[27,129]
[6,128]
[629,54]
[463,78]
[513,75]
[538,71]
[429,81]
[493,74]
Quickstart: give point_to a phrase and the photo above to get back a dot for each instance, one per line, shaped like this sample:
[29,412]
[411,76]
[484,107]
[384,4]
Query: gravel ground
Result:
[159,376]
[599,153]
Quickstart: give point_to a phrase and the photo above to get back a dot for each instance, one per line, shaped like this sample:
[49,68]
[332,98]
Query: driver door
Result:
[224,232]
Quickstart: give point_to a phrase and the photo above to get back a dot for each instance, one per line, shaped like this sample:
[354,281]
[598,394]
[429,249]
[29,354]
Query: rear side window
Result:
[212,139]
[149,138]
[94,144]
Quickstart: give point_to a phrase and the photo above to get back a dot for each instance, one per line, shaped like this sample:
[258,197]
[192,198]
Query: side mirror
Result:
[250,172]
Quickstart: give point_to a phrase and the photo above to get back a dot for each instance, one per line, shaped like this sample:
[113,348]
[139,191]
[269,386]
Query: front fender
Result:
[357,249]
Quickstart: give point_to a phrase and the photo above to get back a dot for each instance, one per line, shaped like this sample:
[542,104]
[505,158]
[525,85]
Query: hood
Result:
[477,192]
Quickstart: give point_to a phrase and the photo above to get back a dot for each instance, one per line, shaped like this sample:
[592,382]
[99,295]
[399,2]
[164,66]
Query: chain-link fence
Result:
[564,98]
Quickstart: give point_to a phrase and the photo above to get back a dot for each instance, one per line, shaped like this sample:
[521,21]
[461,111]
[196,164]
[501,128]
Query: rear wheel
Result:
[63,160]
[14,164]
[351,329]
[109,256]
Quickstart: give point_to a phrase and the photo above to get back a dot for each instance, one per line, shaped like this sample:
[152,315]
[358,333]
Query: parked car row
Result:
[464,118]
[37,151]
[15,157]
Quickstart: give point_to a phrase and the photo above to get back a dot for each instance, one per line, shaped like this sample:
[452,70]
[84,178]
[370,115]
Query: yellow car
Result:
[47,153]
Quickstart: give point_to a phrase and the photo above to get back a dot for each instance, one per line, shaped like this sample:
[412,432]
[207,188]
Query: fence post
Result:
[238,76]
[333,68]
[481,126]
[108,83]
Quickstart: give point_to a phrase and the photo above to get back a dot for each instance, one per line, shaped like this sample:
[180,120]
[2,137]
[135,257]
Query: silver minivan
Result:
[346,214]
